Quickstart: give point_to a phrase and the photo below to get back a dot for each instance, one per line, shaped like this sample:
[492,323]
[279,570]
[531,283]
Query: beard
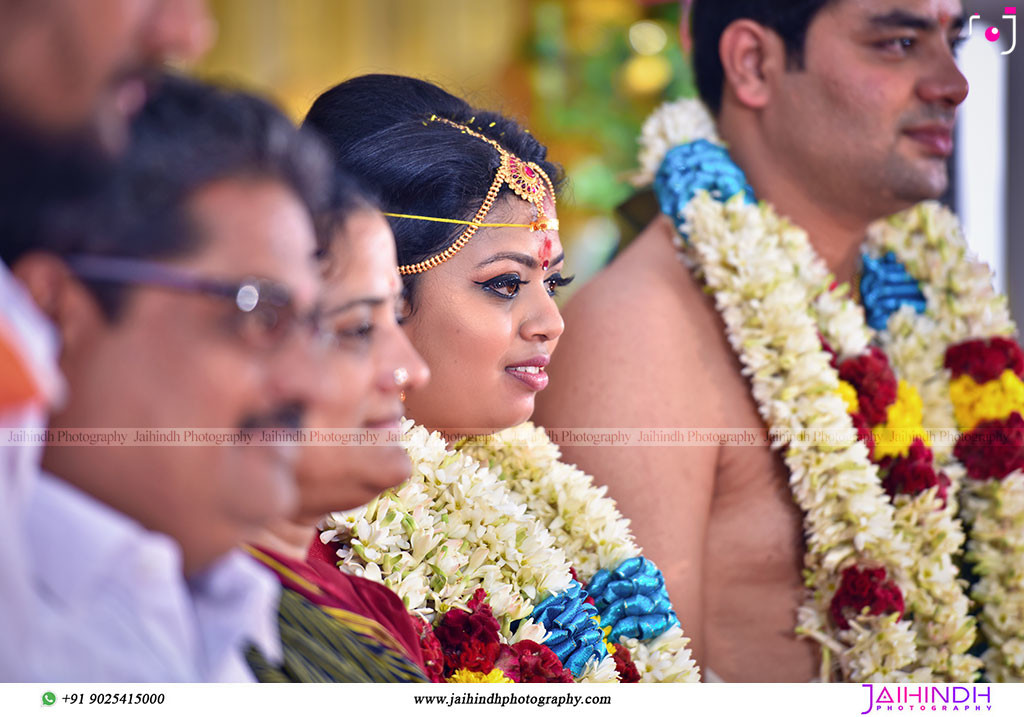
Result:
[39,175]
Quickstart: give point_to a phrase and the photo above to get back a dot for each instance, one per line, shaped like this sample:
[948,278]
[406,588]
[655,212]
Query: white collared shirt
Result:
[30,342]
[121,608]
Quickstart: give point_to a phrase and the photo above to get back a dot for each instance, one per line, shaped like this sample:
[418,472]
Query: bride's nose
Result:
[543,321]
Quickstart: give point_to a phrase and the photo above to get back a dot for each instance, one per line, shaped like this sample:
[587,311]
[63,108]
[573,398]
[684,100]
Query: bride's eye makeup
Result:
[506,285]
[557,281]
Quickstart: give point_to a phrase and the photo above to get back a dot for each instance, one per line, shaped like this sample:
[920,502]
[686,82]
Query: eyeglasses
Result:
[266,315]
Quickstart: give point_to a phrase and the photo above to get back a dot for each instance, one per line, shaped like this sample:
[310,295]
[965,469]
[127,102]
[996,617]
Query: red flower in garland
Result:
[914,473]
[994,449]
[529,661]
[476,655]
[864,433]
[985,359]
[875,382]
[433,656]
[624,665]
[469,640]
[865,588]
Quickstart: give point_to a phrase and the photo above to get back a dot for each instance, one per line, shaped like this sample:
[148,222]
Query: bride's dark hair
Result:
[378,128]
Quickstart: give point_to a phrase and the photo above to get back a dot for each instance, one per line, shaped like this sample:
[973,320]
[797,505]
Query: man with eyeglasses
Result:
[71,75]
[185,296]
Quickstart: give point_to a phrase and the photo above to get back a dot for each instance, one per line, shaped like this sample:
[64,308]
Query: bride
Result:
[525,569]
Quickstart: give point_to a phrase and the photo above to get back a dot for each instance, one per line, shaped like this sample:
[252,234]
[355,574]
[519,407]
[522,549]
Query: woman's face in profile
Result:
[362,302]
[486,323]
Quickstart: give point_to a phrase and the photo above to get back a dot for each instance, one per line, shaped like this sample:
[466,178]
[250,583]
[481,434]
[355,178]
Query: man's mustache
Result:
[291,416]
[939,115]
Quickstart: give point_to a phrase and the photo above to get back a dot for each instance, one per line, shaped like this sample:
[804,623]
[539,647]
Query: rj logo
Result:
[992,34]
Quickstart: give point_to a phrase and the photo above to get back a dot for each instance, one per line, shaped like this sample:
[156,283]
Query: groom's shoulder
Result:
[647,290]
[642,337]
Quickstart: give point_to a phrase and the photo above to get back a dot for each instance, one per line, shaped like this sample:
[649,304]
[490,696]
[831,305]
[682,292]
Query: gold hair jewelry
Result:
[526,179]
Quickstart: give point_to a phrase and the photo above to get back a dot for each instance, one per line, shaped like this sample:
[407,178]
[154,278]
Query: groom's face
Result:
[871,115]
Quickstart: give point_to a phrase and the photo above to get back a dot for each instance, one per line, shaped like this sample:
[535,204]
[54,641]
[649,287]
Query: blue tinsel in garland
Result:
[692,167]
[573,633]
[632,599]
[884,287]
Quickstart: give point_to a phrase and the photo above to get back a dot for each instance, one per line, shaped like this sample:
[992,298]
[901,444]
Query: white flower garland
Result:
[847,517]
[585,523]
[789,373]
[934,592]
[961,305]
[460,523]
[451,528]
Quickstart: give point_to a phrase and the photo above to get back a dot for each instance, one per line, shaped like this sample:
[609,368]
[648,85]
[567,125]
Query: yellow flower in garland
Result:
[849,395]
[991,401]
[903,424]
[605,632]
[473,676]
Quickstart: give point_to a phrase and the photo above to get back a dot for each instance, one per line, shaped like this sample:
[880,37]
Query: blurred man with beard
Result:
[71,75]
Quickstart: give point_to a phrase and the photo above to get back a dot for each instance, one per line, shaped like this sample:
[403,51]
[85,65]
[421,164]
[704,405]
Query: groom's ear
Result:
[751,56]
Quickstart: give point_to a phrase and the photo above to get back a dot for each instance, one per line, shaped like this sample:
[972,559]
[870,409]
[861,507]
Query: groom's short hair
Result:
[709,18]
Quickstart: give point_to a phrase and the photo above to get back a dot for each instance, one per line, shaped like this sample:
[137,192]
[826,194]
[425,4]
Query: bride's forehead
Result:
[544,244]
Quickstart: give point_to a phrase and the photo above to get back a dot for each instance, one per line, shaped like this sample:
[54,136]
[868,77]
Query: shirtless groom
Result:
[840,112]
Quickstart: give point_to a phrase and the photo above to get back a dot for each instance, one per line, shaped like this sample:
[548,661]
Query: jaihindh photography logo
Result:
[927,698]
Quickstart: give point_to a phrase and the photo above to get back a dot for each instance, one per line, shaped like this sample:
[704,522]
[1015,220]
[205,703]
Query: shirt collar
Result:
[79,546]
[236,606]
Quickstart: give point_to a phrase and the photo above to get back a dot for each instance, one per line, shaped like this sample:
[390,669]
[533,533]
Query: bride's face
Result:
[486,323]
[361,301]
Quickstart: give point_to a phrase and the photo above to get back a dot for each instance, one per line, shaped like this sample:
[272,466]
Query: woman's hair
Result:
[345,198]
[379,128]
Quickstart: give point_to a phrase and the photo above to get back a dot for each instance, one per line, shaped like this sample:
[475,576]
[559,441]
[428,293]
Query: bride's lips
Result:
[936,138]
[530,372]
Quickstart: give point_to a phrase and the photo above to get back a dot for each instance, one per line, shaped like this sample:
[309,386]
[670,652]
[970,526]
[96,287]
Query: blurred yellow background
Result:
[581,74]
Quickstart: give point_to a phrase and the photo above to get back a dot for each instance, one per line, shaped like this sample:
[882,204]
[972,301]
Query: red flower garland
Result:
[865,588]
[872,377]
[471,640]
[433,656]
[624,665]
[529,661]
[985,359]
[994,449]
[914,473]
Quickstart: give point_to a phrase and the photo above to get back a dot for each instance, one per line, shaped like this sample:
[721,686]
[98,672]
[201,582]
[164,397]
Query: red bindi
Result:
[545,252]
